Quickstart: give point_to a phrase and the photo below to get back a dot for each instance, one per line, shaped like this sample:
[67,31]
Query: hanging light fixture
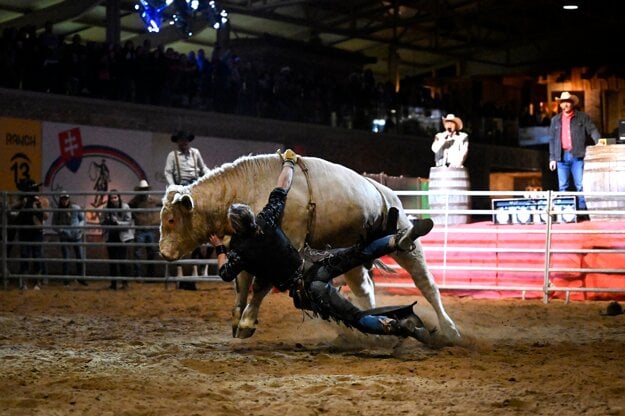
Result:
[570,6]
[180,13]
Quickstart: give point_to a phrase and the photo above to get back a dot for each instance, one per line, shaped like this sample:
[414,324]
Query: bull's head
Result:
[178,236]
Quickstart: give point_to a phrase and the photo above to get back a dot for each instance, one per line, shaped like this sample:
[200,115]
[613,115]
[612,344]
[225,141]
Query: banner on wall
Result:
[20,153]
[78,158]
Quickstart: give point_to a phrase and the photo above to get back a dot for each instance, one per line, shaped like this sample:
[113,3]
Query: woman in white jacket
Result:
[451,146]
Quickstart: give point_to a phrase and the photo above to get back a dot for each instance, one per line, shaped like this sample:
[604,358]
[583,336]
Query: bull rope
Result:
[312,206]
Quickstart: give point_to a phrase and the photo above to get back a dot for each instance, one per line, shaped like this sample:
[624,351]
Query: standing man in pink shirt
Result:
[570,132]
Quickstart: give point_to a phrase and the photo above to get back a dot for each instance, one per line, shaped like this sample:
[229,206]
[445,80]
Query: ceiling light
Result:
[180,13]
[570,7]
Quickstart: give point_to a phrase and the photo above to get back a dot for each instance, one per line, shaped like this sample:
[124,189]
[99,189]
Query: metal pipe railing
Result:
[92,265]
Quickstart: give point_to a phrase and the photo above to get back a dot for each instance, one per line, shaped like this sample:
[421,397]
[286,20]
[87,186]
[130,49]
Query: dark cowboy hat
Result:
[182,135]
[614,308]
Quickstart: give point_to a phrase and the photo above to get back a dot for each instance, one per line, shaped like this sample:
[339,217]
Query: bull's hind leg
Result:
[362,288]
[414,263]
[249,318]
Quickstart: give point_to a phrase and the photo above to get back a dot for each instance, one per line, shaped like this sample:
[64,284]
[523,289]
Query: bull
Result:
[328,204]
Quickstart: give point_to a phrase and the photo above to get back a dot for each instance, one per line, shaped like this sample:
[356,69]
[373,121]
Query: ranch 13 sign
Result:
[20,153]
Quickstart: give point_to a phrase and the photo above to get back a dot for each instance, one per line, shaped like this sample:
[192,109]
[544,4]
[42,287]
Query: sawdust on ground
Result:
[154,350]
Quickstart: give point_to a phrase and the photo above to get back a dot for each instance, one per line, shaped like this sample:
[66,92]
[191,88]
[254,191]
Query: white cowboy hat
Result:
[567,96]
[453,119]
[143,186]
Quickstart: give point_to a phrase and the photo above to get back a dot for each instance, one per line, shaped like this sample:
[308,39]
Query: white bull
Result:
[328,204]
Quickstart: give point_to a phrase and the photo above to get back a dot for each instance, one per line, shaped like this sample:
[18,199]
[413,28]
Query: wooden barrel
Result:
[604,171]
[442,180]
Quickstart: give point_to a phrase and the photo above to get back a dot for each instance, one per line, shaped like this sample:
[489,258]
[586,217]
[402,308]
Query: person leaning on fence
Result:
[68,221]
[147,220]
[32,213]
[118,230]
[182,167]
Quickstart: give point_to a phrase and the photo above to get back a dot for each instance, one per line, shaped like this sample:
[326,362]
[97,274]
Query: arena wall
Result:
[360,150]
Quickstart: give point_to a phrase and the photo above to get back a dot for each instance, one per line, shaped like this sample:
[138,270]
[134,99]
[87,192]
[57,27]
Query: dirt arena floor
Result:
[152,350]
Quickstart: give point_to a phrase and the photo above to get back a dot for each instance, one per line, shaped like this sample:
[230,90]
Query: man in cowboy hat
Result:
[146,215]
[570,132]
[185,164]
[451,146]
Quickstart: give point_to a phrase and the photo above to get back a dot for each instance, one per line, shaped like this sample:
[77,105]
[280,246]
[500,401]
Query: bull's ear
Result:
[185,200]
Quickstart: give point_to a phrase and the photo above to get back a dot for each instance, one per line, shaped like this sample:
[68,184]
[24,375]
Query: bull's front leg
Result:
[249,318]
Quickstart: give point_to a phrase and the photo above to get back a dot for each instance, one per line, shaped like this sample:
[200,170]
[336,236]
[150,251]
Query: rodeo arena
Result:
[484,284]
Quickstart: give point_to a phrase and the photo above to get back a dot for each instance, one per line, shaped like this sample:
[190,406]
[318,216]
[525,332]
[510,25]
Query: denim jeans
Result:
[571,166]
[147,239]
[78,254]
[32,248]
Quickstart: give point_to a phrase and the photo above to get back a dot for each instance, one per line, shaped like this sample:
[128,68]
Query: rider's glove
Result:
[289,156]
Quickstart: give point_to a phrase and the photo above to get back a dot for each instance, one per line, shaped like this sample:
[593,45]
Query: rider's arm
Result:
[228,266]
[272,212]
[285,179]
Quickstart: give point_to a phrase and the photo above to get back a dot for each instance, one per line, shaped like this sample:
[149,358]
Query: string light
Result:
[179,13]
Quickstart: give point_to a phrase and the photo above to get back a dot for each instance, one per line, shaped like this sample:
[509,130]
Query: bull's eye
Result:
[171,221]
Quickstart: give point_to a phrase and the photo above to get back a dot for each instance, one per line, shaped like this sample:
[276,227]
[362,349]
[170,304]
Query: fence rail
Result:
[18,265]
[612,212]
[93,265]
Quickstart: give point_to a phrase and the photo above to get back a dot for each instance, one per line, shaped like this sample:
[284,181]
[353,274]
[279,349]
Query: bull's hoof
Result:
[244,332]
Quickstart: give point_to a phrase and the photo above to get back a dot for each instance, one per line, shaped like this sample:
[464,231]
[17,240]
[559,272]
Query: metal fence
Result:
[94,266]
[19,265]
[606,208]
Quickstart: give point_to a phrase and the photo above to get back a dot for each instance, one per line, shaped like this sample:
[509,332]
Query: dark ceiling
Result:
[420,36]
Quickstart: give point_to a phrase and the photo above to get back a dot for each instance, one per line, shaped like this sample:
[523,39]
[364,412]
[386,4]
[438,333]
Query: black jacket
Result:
[583,133]
[268,255]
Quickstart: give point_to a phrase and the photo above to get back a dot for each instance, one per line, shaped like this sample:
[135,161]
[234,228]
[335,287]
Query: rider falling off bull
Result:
[260,247]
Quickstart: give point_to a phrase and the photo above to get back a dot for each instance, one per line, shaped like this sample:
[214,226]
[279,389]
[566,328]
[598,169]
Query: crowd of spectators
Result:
[224,82]
[221,82]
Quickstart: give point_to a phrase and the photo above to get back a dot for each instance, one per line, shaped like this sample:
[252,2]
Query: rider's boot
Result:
[405,238]
[411,326]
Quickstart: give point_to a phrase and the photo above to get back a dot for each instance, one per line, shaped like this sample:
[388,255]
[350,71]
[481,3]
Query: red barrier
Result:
[496,239]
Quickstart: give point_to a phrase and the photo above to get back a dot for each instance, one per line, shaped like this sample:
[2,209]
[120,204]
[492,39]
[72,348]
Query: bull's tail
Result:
[383,266]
